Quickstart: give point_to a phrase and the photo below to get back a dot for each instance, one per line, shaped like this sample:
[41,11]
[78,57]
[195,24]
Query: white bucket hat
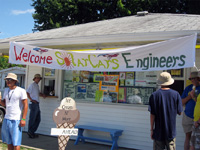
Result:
[11,76]
[37,76]
[165,79]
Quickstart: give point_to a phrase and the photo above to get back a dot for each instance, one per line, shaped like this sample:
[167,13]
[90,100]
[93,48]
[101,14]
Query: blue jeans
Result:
[34,117]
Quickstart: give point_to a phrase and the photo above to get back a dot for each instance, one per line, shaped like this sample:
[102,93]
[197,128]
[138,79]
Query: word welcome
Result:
[29,57]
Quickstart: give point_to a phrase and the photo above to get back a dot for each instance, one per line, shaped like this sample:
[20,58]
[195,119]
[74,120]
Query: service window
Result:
[110,87]
[178,76]
[48,81]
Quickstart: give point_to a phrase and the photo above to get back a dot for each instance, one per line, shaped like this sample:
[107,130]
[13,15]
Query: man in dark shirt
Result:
[164,105]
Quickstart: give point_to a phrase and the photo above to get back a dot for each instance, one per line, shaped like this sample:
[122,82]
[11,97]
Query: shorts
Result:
[187,123]
[162,145]
[195,137]
[11,132]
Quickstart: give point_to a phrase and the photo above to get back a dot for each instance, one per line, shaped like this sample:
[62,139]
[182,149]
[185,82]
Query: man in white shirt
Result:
[15,100]
[33,94]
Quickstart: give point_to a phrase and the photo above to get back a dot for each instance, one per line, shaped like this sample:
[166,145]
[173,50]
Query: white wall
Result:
[133,119]
[30,72]
[197,58]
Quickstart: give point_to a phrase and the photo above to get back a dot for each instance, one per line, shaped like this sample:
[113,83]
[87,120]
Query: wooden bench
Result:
[114,133]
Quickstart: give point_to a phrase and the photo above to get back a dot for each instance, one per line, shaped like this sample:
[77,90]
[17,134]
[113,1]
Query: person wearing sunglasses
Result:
[188,100]
[15,100]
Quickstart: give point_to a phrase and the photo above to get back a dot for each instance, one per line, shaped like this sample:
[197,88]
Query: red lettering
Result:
[24,57]
[42,58]
[28,57]
[31,58]
[36,59]
[18,57]
[49,58]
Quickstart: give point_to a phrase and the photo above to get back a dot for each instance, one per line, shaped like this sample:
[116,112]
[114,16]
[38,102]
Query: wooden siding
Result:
[30,72]
[133,119]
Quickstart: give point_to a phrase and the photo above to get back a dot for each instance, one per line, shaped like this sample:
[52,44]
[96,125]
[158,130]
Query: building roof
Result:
[151,27]
[17,70]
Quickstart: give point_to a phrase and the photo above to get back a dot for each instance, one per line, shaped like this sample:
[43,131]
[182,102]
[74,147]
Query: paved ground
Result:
[50,143]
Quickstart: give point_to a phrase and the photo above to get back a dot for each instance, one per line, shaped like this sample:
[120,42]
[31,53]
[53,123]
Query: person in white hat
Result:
[15,100]
[164,105]
[188,101]
[33,93]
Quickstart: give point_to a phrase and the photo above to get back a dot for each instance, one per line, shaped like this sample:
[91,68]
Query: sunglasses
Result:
[192,78]
[9,79]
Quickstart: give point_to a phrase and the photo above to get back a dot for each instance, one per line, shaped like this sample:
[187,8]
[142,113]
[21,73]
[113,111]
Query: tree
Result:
[193,6]
[4,64]
[51,14]
[58,13]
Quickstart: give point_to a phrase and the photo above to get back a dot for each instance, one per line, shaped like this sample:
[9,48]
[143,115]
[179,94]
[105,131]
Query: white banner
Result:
[170,54]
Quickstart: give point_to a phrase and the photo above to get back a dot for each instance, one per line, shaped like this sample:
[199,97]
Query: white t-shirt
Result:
[34,91]
[14,104]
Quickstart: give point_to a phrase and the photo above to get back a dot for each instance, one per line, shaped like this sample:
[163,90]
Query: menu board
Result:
[110,83]
[146,79]
[69,90]
[91,91]
[81,91]
[130,76]
[98,77]
[109,86]
[86,91]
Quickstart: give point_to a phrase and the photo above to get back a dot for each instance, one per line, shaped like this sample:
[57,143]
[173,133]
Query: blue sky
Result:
[15,18]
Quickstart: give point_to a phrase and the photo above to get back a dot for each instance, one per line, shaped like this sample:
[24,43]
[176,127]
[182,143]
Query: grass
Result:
[3,146]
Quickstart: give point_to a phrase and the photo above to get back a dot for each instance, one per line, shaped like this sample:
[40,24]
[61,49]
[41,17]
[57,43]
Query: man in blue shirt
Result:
[188,101]
[164,105]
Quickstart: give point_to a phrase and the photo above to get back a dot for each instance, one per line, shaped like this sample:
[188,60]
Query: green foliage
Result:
[51,14]
[4,64]
[58,13]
